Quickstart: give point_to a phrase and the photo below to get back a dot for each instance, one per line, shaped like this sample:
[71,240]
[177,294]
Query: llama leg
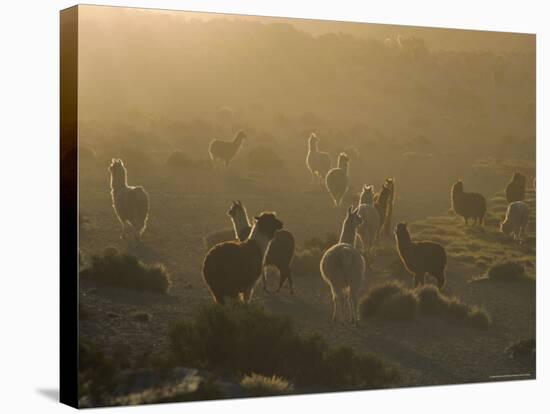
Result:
[282,278]
[247,295]
[440,280]
[264,278]
[290,284]
[351,303]
[466,220]
[335,301]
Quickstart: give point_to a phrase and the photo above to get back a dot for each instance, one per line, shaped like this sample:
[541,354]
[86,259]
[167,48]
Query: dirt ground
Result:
[183,209]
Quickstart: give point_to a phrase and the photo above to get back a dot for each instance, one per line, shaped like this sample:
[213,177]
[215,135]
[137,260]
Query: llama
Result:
[515,190]
[515,223]
[343,268]
[420,258]
[231,269]
[131,204]
[368,229]
[384,204]
[468,205]
[337,181]
[225,151]
[280,251]
[317,162]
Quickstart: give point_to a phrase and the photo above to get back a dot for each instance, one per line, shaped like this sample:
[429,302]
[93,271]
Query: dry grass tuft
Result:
[394,302]
[122,270]
[259,385]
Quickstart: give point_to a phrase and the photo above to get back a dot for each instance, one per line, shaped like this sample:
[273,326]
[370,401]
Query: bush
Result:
[264,159]
[392,301]
[370,305]
[126,271]
[433,303]
[239,339]
[507,272]
[141,316]
[259,385]
[96,373]
[522,348]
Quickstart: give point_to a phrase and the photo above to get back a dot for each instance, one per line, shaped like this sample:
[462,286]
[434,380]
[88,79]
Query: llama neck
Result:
[260,238]
[348,233]
[118,181]
[342,164]
[240,222]
[237,141]
[404,242]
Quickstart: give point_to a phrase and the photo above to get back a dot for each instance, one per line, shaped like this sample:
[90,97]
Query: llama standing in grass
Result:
[317,162]
[131,204]
[343,268]
[517,218]
[468,205]
[225,151]
[337,180]
[515,190]
[231,269]
[420,258]
[280,251]
[384,204]
[368,230]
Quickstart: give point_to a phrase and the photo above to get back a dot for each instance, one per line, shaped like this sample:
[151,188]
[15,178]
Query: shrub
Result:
[239,339]
[507,272]
[126,271]
[264,158]
[370,305]
[96,373]
[260,385]
[141,316]
[522,348]
[399,307]
[433,303]
[392,301]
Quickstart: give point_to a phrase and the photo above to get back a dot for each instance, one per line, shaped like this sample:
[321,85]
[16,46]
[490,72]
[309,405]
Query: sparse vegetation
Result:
[522,348]
[140,316]
[239,339]
[507,272]
[260,385]
[392,301]
[122,270]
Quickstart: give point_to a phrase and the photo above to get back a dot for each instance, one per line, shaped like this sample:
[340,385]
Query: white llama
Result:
[225,151]
[131,204]
[343,268]
[368,230]
[317,162]
[337,180]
